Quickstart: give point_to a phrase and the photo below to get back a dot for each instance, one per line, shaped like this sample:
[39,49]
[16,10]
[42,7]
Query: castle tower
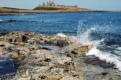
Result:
[43,4]
[47,4]
[53,4]
[50,4]
[39,5]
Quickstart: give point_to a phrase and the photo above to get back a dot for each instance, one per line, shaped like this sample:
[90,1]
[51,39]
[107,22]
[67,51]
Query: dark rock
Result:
[2,45]
[10,40]
[3,32]
[96,61]
[104,73]
[45,48]
[43,77]
[47,60]
[57,42]
[11,20]
[24,38]
[62,43]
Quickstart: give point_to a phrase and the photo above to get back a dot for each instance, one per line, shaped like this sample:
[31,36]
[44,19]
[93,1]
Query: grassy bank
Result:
[46,8]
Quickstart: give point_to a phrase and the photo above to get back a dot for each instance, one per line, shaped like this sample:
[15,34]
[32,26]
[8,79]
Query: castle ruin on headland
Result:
[53,5]
[48,4]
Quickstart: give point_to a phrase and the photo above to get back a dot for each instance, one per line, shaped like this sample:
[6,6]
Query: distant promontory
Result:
[49,7]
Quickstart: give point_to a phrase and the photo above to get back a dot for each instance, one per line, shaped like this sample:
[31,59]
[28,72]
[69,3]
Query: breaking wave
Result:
[108,53]
[1,20]
[61,35]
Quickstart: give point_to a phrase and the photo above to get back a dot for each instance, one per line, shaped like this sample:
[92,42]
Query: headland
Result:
[46,8]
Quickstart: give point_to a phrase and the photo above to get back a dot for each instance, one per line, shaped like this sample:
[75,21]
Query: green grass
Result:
[12,8]
[46,8]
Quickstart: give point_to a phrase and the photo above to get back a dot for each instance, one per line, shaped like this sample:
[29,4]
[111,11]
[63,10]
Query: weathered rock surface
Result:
[81,51]
[37,57]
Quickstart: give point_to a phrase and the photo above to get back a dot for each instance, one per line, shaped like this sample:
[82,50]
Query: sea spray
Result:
[85,38]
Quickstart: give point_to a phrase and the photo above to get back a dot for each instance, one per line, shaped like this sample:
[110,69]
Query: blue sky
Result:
[91,4]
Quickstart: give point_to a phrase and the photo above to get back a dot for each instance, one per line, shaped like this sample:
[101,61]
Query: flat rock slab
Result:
[96,61]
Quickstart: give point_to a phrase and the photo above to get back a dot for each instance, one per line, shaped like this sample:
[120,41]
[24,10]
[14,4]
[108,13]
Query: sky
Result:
[90,4]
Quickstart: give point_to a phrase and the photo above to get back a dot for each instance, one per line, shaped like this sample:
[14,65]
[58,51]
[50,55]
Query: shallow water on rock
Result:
[7,65]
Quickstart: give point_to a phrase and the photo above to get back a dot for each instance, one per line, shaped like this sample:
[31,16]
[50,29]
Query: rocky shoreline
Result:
[30,56]
[32,12]
[12,12]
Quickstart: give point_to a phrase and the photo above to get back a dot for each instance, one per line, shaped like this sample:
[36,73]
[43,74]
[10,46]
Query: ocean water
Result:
[102,30]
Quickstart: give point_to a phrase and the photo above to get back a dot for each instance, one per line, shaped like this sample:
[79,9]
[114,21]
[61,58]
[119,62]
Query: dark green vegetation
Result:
[46,8]
[12,8]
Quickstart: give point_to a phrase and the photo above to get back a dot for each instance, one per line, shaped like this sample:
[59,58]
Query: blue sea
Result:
[102,30]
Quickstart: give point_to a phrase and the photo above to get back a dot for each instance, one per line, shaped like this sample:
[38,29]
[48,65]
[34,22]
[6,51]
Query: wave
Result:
[106,56]
[85,38]
[61,35]
[1,20]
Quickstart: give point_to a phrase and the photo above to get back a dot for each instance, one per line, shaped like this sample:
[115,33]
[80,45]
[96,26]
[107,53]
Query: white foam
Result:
[119,48]
[85,39]
[1,20]
[105,56]
[61,35]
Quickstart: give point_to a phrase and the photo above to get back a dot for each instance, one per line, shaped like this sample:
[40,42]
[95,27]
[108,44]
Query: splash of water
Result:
[84,38]
[106,56]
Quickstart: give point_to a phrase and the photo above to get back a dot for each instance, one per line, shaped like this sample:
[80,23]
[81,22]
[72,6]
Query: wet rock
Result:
[43,77]
[3,32]
[46,48]
[61,59]
[15,56]
[2,45]
[17,36]
[33,52]
[24,38]
[50,76]
[62,43]
[96,61]
[58,42]
[81,50]
[70,77]
[11,20]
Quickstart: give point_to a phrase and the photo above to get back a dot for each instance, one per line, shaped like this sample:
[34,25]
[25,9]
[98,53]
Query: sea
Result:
[102,30]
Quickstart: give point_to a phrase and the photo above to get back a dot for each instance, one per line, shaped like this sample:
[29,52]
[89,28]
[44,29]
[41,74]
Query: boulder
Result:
[56,42]
[69,77]
[62,43]
[16,57]
[33,52]
[96,61]
[49,76]
[61,60]
[80,51]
